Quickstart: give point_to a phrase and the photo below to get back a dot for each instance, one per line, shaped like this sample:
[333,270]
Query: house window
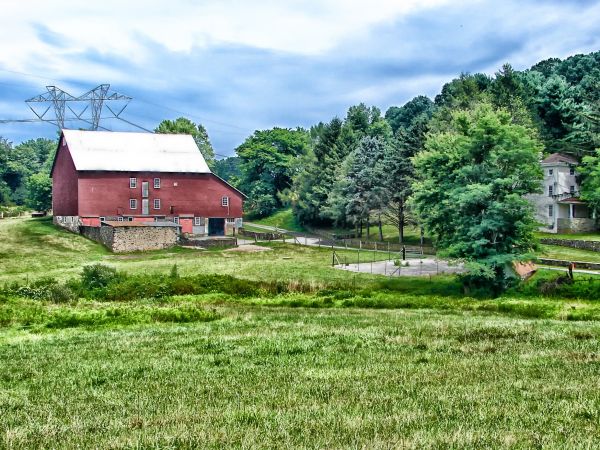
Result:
[572,171]
[157,203]
[157,183]
[550,172]
[176,220]
[550,210]
[572,189]
[550,191]
[132,183]
[145,189]
[224,201]
[132,203]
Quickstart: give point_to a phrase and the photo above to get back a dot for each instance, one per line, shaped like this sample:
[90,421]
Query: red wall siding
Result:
[64,184]
[108,194]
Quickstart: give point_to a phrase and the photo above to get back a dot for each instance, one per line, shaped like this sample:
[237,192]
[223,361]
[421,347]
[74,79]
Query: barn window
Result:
[102,219]
[550,191]
[550,210]
[176,220]
[157,203]
[157,183]
[224,201]
[132,183]
[132,203]
[198,221]
[230,220]
[130,219]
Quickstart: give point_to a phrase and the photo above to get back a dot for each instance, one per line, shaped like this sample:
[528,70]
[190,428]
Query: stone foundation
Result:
[576,225]
[71,223]
[124,238]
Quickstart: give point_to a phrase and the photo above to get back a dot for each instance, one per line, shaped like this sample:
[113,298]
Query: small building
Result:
[558,209]
[100,176]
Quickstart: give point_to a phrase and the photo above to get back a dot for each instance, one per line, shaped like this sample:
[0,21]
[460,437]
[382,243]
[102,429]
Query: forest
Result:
[360,169]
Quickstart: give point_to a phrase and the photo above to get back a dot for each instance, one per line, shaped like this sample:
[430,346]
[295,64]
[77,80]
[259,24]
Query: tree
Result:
[590,186]
[411,122]
[39,192]
[268,164]
[181,125]
[472,180]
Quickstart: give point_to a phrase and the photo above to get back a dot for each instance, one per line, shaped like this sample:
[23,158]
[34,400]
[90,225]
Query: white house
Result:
[559,208]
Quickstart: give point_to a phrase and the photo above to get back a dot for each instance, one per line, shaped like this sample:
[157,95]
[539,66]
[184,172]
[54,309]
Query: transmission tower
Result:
[57,106]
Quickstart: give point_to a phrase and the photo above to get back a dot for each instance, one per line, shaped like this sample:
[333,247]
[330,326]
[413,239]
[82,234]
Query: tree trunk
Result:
[380,229]
[361,229]
[401,222]
[368,228]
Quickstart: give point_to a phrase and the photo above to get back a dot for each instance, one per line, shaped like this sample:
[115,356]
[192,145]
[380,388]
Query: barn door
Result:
[145,207]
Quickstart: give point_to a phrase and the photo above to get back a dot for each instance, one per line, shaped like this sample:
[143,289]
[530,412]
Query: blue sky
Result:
[239,66]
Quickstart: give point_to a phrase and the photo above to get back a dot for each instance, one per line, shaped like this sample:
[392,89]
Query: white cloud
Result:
[117,27]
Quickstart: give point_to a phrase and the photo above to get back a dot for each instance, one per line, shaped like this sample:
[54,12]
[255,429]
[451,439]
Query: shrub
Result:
[97,276]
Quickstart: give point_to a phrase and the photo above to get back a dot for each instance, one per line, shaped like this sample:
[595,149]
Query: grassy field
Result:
[567,253]
[355,361]
[281,219]
[281,378]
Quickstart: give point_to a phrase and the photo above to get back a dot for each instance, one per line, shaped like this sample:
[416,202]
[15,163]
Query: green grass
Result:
[567,253]
[282,219]
[35,246]
[305,378]
[355,361]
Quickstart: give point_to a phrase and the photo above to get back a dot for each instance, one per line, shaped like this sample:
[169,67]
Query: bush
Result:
[97,276]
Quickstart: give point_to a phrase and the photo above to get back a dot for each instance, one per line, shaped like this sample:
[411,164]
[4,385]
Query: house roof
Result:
[559,158]
[574,200]
[134,152]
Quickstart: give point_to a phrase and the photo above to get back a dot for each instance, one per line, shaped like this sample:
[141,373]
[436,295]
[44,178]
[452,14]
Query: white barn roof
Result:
[134,152]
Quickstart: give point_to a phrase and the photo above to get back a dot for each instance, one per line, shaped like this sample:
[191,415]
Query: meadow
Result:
[277,349]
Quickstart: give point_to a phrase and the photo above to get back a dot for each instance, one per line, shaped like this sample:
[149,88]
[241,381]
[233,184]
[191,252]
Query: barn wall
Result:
[64,184]
[199,195]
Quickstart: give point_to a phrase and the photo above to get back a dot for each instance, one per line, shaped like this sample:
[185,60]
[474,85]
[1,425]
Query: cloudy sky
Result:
[237,66]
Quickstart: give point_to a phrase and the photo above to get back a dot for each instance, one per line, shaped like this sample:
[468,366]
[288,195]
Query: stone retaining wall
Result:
[266,236]
[564,263]
[575,225]
[573,243]
[208,243]
[132,238]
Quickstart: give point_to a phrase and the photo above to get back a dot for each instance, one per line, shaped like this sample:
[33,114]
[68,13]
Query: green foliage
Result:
[267,162]
[228,169]
[590,186]
[18,164]
[182,125]
[39,192]
[470,188]
[97,276]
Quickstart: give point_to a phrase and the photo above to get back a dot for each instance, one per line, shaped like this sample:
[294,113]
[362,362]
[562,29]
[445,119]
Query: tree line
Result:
[359,170]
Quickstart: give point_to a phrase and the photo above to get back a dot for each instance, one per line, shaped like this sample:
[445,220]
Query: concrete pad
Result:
[415,267]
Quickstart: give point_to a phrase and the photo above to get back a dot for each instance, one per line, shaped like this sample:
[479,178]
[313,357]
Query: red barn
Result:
[100,175]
